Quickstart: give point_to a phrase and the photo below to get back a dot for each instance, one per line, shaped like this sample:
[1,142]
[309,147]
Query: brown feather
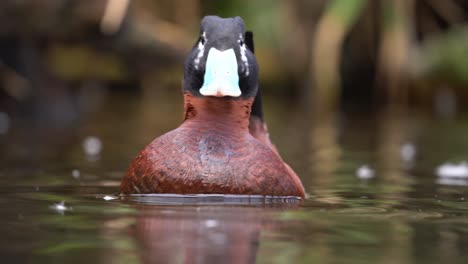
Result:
[211,152]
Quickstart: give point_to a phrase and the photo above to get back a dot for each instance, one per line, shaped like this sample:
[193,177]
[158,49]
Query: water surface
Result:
[404,214]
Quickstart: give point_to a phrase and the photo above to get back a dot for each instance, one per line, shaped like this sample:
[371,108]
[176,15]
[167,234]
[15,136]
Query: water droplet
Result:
[365,172]
[408,152]
[76,174]
[92,146]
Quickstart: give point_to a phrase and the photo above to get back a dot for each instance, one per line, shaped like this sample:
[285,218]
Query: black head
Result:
[219,50]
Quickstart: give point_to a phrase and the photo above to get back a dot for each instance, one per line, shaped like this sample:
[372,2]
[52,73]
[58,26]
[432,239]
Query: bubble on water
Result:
[452,181]
[92,146]
[109,198]
[365,172]
[451,170]
[60,207]
[4,123]
[408,152]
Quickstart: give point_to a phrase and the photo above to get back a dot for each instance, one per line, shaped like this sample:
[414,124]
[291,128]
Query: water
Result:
[53,181]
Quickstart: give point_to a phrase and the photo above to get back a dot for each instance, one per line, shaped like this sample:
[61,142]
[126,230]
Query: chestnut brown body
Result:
[213,152]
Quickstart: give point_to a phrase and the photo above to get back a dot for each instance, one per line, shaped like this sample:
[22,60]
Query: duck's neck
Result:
[217,112]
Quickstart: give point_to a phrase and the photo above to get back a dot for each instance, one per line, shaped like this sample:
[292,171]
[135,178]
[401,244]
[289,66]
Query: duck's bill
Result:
[221,77]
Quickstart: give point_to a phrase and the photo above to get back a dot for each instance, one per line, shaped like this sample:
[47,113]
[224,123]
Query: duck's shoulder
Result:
[265,159]
[209,147]
[168,148]
[158,160]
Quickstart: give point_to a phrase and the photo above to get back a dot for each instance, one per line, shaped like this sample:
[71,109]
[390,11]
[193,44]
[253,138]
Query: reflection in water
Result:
[392,131]
[202,233]
[452,181]
[325,155]
[392,134]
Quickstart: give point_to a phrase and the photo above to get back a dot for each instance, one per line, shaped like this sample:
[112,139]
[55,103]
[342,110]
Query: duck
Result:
[223,145]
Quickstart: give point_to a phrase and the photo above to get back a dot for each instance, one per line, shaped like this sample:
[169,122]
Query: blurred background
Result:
[365,99]
[89,76]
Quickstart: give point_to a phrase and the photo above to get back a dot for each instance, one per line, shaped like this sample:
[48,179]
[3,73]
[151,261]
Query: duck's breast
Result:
[188,161]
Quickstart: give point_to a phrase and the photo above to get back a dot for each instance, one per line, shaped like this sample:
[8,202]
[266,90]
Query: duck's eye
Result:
[202,40]
[241,42]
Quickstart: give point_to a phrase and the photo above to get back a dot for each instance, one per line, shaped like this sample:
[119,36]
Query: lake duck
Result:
[222,146]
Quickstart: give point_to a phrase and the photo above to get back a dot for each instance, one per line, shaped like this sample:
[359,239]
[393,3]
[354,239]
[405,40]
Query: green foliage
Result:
[392,16]
[444,56]
[262,23]
[347,12]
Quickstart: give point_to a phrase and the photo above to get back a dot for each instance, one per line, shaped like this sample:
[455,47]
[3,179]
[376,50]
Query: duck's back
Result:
[188,161]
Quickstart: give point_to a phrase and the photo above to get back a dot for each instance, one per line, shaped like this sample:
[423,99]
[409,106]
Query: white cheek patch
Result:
[201,52]
[221,78]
